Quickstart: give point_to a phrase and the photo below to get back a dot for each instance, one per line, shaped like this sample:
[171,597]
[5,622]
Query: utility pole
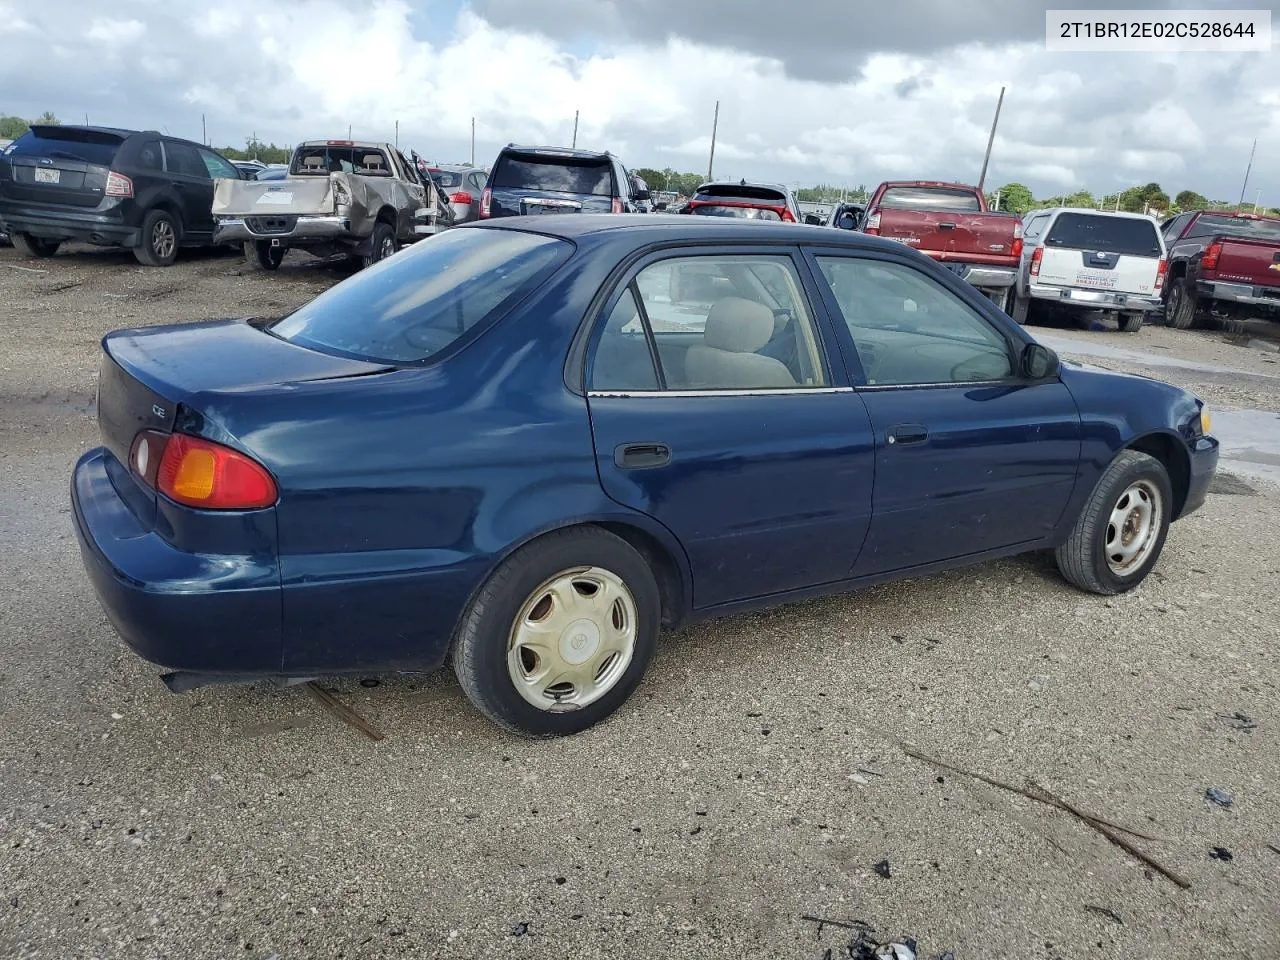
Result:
[348,131]
[715,123]
[204,133]
[982,177]
[397,140]
[1246,172]
[575,130]
[473,141]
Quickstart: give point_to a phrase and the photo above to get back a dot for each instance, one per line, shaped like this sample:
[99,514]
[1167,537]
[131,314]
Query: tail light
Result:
[1016,249]
[460,197]
[873,224]
[616,206]
[200,473]
[785,214]
[1017,230]
[486,199]
[118,185]
[1211,254]
[1035,261]
[1162,268]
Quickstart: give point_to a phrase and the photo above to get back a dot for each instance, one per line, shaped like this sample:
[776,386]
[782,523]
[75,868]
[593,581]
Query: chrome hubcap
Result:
[573,639]
[162,238]
[1133,528]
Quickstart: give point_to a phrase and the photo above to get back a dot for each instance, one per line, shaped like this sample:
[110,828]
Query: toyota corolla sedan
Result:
[510,450]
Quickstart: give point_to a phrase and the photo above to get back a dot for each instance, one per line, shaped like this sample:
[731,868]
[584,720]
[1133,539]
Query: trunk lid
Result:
[953,235]
[60,165]
[1247,261]
[270,199]
[1102,252]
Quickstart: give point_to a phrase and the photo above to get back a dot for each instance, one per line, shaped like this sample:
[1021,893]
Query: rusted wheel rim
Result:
[1133,529]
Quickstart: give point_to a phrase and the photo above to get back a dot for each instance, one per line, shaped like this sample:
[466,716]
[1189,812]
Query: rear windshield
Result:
[1083,231]
[744,190]
[86,146]
[1236,227]
[324,160]
[411,306]
[447,178]
[929,198]
[744,213]
[555,174]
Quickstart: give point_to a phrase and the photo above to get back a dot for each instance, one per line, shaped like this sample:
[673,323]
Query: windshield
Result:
[1083,231]
[555,174]
[745,213]
[415,304]
[69,144]
[1236,227]
[929,198]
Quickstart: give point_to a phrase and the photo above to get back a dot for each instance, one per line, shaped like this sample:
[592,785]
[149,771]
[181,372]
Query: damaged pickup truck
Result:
[349,197]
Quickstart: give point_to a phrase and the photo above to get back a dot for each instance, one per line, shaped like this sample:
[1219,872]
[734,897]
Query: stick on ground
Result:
[343,712]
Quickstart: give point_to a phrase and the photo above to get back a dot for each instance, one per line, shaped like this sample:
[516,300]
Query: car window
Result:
[737,322]
[150,156]
[1031,229]
[623,359]
[1229,226]
[478,181]
[419,302]
[218,167]
[447,179]
[929,198]
[66,143]
[1095,231]
[184,159]
[324,159]
[555,174]
[909,329]
[742,213]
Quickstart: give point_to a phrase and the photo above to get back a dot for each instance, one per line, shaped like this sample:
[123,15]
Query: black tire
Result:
[261,255]
[381,245]
[1002,299]
[1083,558]
[480,652]
[1021,305]
[1180,312]
[1131,322]
[30,246]
[160,237]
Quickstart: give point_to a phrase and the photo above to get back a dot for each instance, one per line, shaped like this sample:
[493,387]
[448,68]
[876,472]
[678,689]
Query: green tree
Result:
[1014,196]
[1081,198]
[11,128]
[687,183]
[47,119]
[656,179]
[1190,200]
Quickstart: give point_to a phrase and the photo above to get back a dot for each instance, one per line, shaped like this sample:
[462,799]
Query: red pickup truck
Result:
[951,223]
[1223,265]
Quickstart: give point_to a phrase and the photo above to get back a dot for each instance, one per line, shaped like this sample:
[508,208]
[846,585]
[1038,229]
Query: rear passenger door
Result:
[716,409]
[194,188]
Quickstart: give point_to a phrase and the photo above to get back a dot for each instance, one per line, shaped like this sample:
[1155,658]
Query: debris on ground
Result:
[520,930]
[882,868]
[865,946]
[1239,721]
[1104,912]
[1033,791]
[1219,797]
[343,712]
[1221,853]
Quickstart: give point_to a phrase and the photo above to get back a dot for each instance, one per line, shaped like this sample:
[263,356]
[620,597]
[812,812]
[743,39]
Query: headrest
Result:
[738,325]
[373,160]
[623,313]
[313,161]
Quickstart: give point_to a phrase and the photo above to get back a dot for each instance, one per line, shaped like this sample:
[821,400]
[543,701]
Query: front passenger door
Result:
[969,456]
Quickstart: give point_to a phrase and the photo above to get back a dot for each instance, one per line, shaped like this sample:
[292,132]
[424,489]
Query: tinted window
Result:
[744,213]
[447,179]
[183,158]
[1085,231]
[413,305]
[555,174]
[1033,226]
[68,144]
[909,329]
[1236,227]
[218,167]
[929,198]
[150,157]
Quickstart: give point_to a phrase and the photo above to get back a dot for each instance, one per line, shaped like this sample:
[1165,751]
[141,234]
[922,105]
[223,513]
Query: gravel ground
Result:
[757,778]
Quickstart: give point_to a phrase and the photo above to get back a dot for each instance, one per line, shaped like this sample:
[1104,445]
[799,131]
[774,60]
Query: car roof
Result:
[564,152]
[655,227]
[734,184]
[358,144]
[1117,214]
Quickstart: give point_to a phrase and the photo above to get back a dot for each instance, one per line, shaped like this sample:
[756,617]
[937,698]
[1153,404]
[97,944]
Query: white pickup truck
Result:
[340,196]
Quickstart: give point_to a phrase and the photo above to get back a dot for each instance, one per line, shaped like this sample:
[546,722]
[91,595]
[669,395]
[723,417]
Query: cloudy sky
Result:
[811,90]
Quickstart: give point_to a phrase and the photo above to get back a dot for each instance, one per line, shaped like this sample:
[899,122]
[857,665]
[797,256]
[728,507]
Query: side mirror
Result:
[1039,362]
[813,219]
[846,221]
[639,193]
[660,205]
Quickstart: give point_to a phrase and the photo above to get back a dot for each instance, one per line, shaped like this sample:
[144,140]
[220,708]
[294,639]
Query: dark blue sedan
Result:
[523,447]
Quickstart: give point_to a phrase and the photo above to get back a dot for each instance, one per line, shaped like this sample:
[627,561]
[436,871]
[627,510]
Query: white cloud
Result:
[115,32]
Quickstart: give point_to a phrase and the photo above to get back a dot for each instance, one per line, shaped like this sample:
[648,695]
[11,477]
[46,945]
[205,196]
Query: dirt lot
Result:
[754,782]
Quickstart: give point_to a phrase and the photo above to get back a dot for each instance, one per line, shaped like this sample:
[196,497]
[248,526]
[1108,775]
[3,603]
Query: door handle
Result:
[908,433]
[946,225]
[642,456]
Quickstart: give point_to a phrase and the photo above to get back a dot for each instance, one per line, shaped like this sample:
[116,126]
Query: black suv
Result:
[145,191]
[540,180]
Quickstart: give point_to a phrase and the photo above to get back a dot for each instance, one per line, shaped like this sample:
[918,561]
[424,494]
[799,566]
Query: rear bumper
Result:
[214,614]
[983,276]
[308,227]
[1258,296]
[1204,462]
[88,224]
[1094,299]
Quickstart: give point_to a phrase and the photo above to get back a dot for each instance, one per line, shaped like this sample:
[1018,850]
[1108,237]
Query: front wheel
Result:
[561,633]
[30,246]
[1119,534]
[1131,322]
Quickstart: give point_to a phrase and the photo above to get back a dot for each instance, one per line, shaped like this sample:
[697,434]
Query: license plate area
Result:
[45,175]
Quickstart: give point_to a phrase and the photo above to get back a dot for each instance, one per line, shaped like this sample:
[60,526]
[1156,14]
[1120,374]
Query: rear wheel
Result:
[160,238]
[1021,305]
[381,245]
[560,635]
[262,255]
[1002,298]
[1131,322]
[1119,534]
[1180,311]
[30,246]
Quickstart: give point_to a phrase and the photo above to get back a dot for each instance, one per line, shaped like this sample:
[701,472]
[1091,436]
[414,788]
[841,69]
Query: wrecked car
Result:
[350,197]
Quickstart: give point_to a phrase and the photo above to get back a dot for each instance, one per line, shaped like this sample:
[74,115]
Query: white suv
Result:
[1091,260]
